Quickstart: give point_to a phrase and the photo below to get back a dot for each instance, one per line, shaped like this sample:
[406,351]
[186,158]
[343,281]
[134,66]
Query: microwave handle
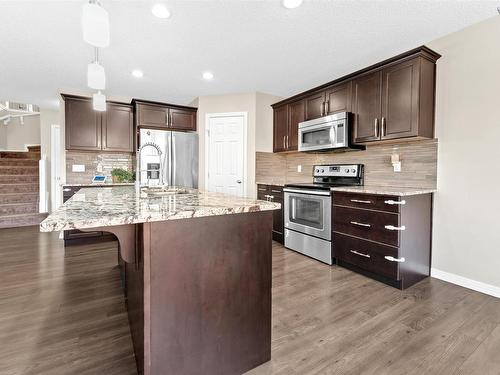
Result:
[332,135]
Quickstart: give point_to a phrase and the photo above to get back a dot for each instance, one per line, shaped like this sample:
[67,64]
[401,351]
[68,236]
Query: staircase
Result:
[19,188]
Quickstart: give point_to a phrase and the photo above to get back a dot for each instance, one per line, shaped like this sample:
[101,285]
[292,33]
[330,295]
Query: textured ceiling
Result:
[248,45]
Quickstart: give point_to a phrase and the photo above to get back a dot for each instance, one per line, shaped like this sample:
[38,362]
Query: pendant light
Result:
[95,24]
[99,101]
[96,78]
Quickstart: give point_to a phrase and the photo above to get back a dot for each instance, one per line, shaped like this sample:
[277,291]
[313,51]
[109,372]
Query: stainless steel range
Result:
[308,209]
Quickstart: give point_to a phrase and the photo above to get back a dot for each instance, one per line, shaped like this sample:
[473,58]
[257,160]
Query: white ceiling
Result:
[248,45]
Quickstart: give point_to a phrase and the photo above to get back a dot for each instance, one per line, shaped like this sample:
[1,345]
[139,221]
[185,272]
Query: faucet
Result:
[138,163]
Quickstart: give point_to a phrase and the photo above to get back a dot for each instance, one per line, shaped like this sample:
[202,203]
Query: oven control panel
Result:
[337,170]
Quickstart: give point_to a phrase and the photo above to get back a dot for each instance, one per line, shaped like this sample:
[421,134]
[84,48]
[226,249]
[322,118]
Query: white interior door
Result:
[226,153]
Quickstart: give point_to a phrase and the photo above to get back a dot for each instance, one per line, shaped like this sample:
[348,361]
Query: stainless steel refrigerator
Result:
[177,165]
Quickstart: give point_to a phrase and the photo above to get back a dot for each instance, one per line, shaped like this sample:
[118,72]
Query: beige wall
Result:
[259,118]
[264,122]
[17,136]
[466,238]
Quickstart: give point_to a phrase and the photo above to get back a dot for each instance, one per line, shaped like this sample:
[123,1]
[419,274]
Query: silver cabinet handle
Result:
[275,191]
[383,127]
[361,224]
[284,142]
[392,227]
[67,189]
[360,201]
[238,181]
[376,128]
[392,259]
[360,254]
[392,202]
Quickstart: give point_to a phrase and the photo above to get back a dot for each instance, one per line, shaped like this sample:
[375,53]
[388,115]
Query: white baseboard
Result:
[466,283]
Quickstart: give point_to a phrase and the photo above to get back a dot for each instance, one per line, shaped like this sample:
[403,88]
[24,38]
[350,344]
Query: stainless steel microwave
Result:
[326,133]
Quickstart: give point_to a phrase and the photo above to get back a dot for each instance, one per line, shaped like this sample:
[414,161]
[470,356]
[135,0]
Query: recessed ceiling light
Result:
[290,4]
[208,76]
[137,73]
[160,10]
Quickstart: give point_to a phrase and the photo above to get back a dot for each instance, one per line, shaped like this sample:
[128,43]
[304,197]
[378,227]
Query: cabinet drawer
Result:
[367,255]
[263,191]
[373,202]
[276,191]
[367,224]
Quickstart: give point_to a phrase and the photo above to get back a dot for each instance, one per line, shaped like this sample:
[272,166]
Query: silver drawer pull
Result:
[276,191]
[392,259]
[360,201]
[360,254]
[66,189]
[361,224]
[392,202]
[392,227]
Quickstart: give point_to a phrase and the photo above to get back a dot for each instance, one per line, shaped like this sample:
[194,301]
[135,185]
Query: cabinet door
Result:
[366,106]
[152,116]
[400,90]
[338,98]
[315,105]
[280,128]
[278,224]
[118,128]
[296,113]
[181,119]
[83,125]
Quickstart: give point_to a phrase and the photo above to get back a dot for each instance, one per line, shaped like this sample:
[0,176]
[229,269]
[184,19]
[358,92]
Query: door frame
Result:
[209,116]
[55,167]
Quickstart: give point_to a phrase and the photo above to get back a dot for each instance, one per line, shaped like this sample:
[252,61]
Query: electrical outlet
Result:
[299,168]
[397,166]
[78,168]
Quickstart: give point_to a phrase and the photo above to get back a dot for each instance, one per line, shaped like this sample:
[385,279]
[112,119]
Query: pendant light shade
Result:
[99,101]
[95,24]
[96,78]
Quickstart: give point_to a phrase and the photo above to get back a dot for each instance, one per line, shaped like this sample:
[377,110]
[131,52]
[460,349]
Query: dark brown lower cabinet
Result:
[75,236]
[274,193]
[384,237]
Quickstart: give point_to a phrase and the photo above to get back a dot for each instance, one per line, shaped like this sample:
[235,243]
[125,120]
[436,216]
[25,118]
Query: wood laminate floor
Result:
[62,312]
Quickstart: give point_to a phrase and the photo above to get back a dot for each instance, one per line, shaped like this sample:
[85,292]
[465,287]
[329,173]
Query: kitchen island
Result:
[197,271]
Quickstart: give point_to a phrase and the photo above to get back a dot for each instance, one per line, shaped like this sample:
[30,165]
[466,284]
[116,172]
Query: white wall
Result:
[466,238]
[16,136]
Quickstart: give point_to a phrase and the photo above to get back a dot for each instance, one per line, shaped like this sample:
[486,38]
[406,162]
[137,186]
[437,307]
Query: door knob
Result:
[238,181]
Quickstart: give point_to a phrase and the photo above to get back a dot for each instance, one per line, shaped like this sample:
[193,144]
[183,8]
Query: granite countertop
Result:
[117,205]
[99,184]
[384,190]
[275,183]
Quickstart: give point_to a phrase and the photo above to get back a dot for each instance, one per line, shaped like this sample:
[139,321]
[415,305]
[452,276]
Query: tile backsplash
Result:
[418,164]
[108,161]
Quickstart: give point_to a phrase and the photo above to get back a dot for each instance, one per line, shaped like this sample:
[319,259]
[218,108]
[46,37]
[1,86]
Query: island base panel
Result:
[206,292]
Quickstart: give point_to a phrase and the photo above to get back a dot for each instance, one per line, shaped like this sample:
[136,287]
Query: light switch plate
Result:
[78,168]
[299,168]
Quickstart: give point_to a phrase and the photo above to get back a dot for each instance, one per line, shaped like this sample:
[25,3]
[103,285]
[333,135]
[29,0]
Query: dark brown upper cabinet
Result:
[82,125]
[395,103]
[89,130]
[280,128]
[315,105]
[338,98]
[118,128]
[326,102]
[366,106]
[286,126]
[296,114]
[393,99]
[165,116]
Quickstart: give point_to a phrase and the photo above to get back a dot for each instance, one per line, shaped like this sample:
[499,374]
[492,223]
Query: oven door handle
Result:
[308,192]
